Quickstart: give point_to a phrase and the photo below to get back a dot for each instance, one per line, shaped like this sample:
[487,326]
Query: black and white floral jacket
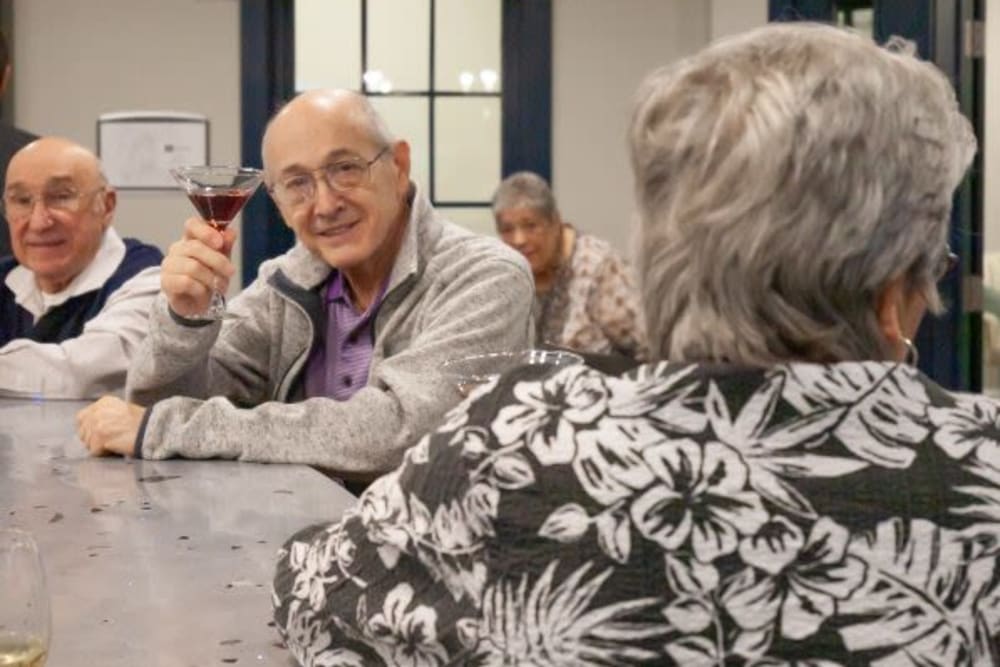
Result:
[808,515]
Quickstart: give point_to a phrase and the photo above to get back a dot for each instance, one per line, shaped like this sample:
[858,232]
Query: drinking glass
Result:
[24,602]
[218,193]
[472,371]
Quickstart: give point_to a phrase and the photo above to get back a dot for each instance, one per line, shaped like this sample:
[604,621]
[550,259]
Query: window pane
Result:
[478,219]
[398,45]
[467,148]
[407,119]
[467,42]
[318,25]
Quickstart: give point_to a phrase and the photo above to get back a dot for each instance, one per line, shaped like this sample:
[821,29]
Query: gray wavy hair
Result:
[783,177]
[525,189]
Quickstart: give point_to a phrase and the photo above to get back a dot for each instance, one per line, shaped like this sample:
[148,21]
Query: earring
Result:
[912,354]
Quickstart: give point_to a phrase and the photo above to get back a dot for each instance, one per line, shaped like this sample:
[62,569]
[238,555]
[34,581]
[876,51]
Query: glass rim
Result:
[191,168]
[452,367]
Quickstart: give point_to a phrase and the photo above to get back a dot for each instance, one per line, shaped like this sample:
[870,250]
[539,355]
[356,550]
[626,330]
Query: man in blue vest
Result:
[74,297]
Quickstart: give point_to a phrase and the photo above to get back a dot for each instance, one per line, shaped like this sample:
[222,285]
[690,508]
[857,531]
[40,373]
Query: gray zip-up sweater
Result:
[451,293]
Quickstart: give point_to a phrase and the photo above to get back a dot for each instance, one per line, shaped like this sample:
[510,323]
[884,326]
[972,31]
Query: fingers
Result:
[179,270]
[85,422]
[109,426]
[196,229]
[192,270]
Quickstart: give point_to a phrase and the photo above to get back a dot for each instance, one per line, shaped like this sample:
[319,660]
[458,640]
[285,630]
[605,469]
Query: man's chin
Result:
[343,258]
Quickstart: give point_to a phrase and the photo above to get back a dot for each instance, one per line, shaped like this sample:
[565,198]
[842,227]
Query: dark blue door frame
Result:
[950,346]
[268,80]
[267,69]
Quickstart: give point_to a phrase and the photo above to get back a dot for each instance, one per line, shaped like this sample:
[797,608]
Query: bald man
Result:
[337,360]
[74,297]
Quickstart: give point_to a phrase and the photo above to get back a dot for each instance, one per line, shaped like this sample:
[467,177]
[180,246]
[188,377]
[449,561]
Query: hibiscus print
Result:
[406,637]
[547,413]
[319,564]
[680,515]
[793,580]
[774,452]
[700,496]
[973,425]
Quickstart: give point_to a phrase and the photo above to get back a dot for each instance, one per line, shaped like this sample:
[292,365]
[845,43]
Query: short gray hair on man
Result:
[783,177]
[525,189]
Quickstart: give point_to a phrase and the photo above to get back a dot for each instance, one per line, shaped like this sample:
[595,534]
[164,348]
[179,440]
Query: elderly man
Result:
[337,359]
[74,297]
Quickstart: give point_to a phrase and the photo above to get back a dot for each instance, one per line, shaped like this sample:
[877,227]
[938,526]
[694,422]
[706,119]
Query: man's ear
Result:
[888,311]
[110,201]
[401,158]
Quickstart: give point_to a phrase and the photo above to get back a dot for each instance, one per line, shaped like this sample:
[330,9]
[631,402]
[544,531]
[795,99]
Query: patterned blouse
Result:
[593,305]
[804,515]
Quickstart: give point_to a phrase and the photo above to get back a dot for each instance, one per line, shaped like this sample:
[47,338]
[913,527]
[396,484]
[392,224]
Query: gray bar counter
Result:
[158,564]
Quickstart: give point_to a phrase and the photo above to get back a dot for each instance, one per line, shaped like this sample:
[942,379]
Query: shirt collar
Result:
[21,280]
[337,291]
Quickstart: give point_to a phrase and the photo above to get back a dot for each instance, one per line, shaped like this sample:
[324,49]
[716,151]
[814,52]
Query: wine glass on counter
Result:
[218,193]
[24,601]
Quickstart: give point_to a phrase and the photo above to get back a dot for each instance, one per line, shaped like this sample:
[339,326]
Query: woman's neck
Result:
[545,279]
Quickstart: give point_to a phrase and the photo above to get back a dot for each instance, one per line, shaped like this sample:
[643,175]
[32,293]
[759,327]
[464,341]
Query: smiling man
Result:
[74,297]
[336,361]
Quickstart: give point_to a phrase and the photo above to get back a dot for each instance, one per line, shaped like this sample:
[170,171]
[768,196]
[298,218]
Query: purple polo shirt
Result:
[338,367]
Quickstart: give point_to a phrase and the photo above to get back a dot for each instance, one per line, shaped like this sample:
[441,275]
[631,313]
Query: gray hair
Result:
[783,178]
[525,189]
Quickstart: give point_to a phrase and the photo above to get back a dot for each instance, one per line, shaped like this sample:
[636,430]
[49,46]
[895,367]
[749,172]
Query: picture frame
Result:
[138,148]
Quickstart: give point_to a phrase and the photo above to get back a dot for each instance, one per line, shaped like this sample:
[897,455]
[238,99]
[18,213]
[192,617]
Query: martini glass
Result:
[218,193]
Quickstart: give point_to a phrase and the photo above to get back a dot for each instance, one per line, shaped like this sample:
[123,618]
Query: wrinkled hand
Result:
[196,265]
[109,426]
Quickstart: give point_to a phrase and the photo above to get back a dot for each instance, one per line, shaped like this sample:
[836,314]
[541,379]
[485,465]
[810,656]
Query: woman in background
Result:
[585,297]
[786,490]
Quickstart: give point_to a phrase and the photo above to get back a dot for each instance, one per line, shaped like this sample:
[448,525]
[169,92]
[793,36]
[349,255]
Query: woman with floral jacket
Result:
[787,490]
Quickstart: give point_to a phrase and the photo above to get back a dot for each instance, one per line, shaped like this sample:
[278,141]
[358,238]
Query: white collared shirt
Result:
[94,362]
[21,280]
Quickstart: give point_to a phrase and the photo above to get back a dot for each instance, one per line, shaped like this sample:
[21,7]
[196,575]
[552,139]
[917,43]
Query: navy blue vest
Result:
[66,320]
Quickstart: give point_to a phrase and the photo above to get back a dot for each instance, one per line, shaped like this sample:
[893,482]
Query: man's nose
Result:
[327,199]
[39,218]
[518,237]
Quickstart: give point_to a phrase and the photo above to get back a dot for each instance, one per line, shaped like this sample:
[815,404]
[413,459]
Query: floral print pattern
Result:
[803,515]
[593,305]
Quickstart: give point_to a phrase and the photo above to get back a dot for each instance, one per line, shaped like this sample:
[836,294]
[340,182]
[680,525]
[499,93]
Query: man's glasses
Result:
[341,175]
[18,205]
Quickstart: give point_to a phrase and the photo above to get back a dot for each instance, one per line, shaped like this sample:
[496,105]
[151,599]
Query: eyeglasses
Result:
[945,265]
[341,175]
[18,205]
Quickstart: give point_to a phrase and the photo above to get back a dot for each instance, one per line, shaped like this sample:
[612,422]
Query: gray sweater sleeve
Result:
[201,359]
[486,307]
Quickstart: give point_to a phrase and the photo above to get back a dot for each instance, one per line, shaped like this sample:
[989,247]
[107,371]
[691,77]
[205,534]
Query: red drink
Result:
[219,207]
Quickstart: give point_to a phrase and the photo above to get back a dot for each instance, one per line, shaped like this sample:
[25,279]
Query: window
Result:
[433,69]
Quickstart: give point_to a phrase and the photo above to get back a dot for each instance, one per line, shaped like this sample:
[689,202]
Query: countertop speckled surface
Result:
[153,563]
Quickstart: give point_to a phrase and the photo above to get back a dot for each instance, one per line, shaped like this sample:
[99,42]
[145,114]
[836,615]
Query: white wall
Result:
[728,17]
[76,60]
[602,49]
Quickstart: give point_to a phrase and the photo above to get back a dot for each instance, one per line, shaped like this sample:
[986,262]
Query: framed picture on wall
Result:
[138,148]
